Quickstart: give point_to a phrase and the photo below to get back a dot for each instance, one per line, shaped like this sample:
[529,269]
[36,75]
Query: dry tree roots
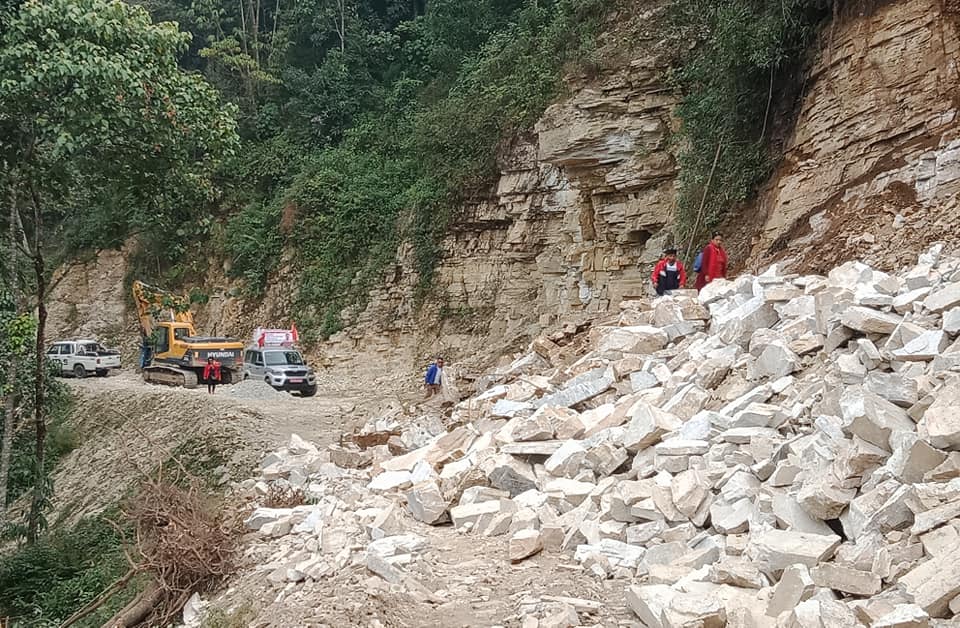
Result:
[182,540]
[284,497]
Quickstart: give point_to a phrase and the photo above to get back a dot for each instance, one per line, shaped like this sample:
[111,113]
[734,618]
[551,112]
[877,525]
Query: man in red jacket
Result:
[211,374]
[714,262]
[669,273]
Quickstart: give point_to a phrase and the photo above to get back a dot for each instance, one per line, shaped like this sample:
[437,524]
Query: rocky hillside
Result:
[585,203]
[777,451]
[872,167]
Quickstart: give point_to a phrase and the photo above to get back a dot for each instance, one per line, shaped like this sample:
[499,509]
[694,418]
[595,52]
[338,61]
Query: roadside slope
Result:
[127,427]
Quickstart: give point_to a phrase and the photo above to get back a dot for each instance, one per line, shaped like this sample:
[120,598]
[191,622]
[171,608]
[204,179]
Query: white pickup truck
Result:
[82,357]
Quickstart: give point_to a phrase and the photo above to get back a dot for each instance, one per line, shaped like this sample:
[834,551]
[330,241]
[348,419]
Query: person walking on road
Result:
[669,273]
[433,380]
[211,375]
[714,262]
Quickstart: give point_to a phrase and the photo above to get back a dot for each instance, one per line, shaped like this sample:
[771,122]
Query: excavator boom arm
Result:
[154,304]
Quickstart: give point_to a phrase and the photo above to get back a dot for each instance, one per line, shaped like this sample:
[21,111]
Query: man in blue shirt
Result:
[434,378]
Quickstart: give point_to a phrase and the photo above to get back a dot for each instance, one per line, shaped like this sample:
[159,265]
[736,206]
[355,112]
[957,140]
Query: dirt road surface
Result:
[128,427]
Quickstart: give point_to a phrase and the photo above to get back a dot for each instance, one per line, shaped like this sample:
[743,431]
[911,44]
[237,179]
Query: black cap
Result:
[670,250]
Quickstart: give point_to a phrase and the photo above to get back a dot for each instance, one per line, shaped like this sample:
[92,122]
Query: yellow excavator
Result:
[171,351]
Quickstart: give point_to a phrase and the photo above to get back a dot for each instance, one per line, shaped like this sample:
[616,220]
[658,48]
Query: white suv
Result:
[282,367]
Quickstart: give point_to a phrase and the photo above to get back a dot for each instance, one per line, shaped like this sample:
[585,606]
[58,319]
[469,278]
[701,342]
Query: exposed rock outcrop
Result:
[872,168]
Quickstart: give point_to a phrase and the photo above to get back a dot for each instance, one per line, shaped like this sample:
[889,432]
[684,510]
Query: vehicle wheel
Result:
[79,372]
[102,373]
[308,392]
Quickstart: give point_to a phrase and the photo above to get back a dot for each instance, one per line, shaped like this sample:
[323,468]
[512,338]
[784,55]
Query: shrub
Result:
[44,583]
[747,54]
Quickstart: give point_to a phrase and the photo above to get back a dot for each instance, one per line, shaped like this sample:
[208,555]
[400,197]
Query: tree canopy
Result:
[100,130]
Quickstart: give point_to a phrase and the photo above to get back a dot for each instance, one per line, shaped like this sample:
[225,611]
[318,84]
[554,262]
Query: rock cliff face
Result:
[584,203]
[872,168]
[581,210]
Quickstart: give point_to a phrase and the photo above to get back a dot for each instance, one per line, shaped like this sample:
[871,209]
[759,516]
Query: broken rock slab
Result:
[923,348]
[426,503]
[262,516]
[844,579]
[642,339]
[775,550]
[619,554]
[795,586]
[694,609]
[507,408]
[893,387]
[934,583]
[648,424]
[777,360]
[820,613]
[941,422]
[523,544]
[689,489]
[648,602]
[738,325]
[532,428]
[943,299]
[580,388]
[568,460]
[872,417]
[904,616]
[509,473]
[869,321]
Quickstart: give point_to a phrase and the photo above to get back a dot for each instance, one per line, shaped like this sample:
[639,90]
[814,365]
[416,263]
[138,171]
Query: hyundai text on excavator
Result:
[173,352]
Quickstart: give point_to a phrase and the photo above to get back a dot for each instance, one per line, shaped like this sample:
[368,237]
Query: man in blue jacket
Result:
[434,378]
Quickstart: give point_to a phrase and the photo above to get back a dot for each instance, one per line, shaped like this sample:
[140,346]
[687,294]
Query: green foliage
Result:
[409,122]
[95,79]
[61,436]
[347,204]
[44,583]
[17,334]
[103,131]
[747,53]
[253,243]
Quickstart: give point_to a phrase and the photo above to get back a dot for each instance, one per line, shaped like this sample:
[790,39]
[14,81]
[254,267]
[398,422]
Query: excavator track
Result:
[170,376]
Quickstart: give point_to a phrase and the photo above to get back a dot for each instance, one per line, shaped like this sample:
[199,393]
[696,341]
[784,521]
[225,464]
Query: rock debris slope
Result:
[780,450]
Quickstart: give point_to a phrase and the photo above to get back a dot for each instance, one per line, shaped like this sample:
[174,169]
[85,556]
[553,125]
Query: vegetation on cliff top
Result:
[746,59]
[370,128]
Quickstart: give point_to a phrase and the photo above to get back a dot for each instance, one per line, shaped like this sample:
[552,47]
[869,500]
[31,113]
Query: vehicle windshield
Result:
[276,358]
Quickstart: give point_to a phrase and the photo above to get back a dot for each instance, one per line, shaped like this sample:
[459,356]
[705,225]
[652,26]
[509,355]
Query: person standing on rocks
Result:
[211,375]
[434,378]
[669,273]
[713,264]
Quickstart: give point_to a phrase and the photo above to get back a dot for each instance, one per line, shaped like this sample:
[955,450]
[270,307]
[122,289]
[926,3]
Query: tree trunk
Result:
[39,381]
[138,609]
[10,399]
[255,30]
[6,447]
[343,25]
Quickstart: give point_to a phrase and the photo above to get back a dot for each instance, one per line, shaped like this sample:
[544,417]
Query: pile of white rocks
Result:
[778,450]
